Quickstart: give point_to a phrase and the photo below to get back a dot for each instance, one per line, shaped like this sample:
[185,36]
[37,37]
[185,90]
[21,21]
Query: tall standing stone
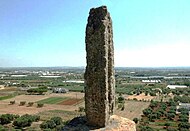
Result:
[99,75]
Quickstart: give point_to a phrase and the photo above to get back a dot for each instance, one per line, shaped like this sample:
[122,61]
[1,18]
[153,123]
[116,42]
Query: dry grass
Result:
[133,109]
[140,97]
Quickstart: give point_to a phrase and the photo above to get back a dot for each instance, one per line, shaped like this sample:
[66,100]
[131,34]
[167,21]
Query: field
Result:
[51,102]
[133,109]
[62,105]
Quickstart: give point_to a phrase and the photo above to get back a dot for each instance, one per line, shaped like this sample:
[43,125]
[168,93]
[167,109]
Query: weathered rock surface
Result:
[99,75]
[99,79]
[116,123]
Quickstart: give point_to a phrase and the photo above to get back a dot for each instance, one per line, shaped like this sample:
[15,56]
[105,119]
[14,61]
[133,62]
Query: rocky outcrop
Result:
[99,75]
[115,123]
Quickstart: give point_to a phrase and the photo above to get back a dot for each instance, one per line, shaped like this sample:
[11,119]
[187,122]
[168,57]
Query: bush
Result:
[55,123]
[30,103]
[40,105]
[147,111]
[184,125]
[121,99]
[2,128]
[39,90]
[44,125]
[22,122]
[35,118]
[135,99]
[12,102]
[22,103]
[121,106]
[136,120]
[57,120]
[6,118]
[81,109]
[48,124]
[25,120]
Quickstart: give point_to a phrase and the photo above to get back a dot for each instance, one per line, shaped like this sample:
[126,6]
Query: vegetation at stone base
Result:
[81,109]
[55,123]
[39,90]
[162,116]
[52,100]
[136,120]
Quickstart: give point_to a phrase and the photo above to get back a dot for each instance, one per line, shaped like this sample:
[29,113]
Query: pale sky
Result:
[147,33]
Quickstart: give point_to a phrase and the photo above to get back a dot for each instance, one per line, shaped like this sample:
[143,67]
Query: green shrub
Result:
[25,120]
[59,128]
[121,99]
[2,128]
[22,122]
[39,90]
[57,120]
[44,125]
[6,118]
[136,120]
[184,125]
[51,124]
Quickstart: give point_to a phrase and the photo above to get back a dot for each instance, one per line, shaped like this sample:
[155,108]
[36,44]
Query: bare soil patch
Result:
[140,97]
[70,102]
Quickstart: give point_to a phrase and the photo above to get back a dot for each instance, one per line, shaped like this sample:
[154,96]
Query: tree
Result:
[57,120]
[6,118]
[136,120]
[48,124]
[170,116]
[167,124]
[121,99]
[147,111]
[184,125]
[39,90]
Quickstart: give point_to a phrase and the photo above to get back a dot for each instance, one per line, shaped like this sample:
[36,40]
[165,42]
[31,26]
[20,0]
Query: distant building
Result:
[59,90]
[176,86]
[74,81]
[151,81]
[184,105]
